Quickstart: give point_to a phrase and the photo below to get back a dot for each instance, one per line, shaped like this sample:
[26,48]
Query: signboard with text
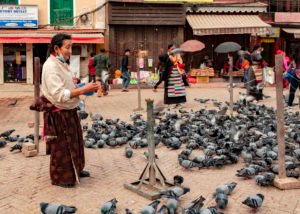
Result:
[18,16]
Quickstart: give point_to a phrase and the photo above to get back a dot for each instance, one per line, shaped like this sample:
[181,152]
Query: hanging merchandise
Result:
[18,57]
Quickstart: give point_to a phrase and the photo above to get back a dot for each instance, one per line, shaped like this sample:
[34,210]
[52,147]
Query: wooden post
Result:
[150,140]
[36,97]
[280,116]
[139,108]
[231,84]
[282,182]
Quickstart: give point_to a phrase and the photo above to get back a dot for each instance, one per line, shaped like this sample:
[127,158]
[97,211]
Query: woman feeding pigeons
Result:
[59,101]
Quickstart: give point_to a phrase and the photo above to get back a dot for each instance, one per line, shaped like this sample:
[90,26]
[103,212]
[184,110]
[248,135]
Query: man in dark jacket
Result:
[102,63]
[125,71]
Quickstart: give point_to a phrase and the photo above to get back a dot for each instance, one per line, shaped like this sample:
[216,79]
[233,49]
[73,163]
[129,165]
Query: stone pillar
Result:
[29,64]
[1,64]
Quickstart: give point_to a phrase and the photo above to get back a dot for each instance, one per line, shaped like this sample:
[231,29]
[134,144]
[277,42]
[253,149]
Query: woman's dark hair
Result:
[92,54]
[170,45]
[58,40]
[127,50]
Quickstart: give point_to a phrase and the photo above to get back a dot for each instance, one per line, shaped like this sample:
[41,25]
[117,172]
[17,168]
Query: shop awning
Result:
[36,37]
[215,24]
[294,31]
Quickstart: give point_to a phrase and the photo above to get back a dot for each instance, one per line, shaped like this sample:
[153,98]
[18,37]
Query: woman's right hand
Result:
[91,87]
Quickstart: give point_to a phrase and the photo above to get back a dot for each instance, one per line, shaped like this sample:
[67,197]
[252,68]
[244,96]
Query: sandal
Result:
[84,174]
[64,185]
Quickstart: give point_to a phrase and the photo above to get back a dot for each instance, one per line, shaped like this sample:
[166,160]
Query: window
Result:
[285,5]
[9,1]
[61,12]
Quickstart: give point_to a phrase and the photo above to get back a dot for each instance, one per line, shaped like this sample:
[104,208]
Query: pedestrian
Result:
[125,69]
[285,67]
[174,92]
[92,69]
[102,64]
[163,58]
[246,67]
[59,102]
[252,84]
[295,79]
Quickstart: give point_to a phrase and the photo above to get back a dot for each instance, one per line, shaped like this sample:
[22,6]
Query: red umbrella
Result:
[192,46]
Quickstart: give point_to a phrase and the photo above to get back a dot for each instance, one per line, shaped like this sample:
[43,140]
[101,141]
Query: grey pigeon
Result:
[221,200]
[195,206]
[254,201]
[151,208]
[2,143]
[178,180]
[226,188]
[48,208]
[128,152]
[172,205]
[7,133]
[109,207]
[175,192]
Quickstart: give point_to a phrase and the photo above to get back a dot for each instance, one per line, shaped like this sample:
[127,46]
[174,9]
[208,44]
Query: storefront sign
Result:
[18,16]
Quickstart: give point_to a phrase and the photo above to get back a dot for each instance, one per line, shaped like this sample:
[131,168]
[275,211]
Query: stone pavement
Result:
[24,182]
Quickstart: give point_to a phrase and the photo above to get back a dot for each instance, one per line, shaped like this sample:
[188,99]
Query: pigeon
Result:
[2,143]
[246,172]
[7,133]
[151,208]
[17,146]
[13,103]
[172,205]
[82,115]
[163,210]
[178,180]
[265,180]
[226,188]
[254,201]
[100,143]
[48,208]
[187,164]
[127,211]
[128,152]
[175,192]
[109,207]
[221,200]
[210,210]
[95,117]
[85,126]
[195,206]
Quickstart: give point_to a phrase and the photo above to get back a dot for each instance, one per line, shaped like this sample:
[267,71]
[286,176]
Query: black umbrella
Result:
[227,47]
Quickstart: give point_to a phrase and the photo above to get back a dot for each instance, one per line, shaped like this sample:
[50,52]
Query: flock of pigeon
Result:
[171,206]
[250,135]
[8,136]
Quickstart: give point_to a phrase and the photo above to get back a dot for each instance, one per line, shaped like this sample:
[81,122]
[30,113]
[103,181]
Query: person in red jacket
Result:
[92,69]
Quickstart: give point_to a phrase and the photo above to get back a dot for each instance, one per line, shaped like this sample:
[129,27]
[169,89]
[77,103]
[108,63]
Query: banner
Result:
[18,16]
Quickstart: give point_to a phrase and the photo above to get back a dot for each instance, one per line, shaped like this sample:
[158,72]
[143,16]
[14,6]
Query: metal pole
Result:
[36,97]
[150,140]
[280,116]
[231,84]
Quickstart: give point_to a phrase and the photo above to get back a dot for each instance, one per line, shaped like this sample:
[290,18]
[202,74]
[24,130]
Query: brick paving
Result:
[24,182]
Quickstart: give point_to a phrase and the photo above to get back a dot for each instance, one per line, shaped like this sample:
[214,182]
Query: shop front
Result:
[146,27]
[19,47]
